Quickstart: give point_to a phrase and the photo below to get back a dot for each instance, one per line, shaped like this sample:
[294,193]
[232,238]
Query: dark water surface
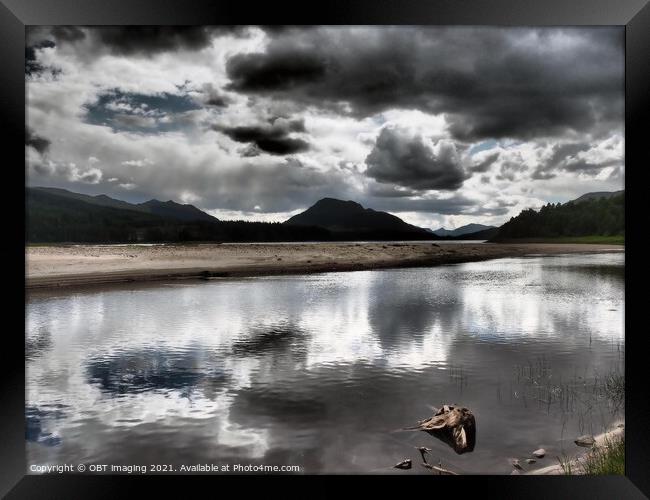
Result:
[322,370]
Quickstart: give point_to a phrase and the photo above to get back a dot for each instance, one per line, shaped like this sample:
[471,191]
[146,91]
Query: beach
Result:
[575,461]
[67,265]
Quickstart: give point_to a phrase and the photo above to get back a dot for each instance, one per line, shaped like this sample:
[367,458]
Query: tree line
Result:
[590,217]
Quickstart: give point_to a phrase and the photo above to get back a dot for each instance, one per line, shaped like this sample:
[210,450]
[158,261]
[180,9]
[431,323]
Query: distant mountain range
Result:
[169,209]
[58,215]
[463,230]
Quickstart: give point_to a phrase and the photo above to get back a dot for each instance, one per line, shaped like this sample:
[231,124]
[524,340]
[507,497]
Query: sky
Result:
[441,126]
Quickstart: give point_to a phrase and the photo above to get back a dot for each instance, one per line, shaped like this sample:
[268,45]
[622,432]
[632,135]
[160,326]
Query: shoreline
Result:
[62,265]
[615,431]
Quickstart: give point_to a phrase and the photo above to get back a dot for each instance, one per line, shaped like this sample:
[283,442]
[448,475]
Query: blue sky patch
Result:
[123,111]
[483,146]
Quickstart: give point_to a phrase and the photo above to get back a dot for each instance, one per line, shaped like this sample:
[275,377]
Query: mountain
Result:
[61,216]
[463,230]
[350,217]
[596,195]
[168,209]
[101,199]
[485,234]
[55,215]
[175,210]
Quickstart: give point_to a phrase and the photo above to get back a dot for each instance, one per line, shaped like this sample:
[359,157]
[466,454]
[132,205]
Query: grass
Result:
[614,388]
[607,459]
[565,463]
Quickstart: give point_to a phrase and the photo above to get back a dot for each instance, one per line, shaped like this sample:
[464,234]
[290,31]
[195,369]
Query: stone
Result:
[585,441]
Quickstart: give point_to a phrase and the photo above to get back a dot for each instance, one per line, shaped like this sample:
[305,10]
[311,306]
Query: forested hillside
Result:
[603,216]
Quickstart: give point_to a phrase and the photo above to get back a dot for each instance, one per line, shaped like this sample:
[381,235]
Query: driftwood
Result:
[454,425]
[404,464]
[439,469]
[423,451]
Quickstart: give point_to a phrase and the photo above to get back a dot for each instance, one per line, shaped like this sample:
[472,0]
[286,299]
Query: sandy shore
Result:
[616,431]
[64,265]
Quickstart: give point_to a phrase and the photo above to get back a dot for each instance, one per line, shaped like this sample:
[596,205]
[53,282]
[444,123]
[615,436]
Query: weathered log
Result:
[454,425]
[423,451]
[439,469]
[445,471]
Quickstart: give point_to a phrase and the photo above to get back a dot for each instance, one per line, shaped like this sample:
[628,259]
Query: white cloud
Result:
[189,162]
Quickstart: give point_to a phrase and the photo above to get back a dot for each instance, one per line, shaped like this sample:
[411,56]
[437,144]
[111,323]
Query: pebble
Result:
[539,453]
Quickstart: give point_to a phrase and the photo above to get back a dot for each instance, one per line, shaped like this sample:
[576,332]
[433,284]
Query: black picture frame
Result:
[16,14]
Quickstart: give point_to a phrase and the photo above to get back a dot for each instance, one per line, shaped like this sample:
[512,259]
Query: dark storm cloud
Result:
[491,82]
[272,137]
[291,185]
[30,51]
[217,100]
[563,151]
[68,33]
[485,164]
[32,65]
[211,96]
[126,40]
[455,205]
[147,40]
[560,153]
[414,162]
[508,170]
[40,144]
[134,40]
[582,165]
[279,71]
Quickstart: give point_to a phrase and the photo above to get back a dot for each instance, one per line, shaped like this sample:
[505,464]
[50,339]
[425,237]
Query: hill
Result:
[169,209]
[485,234]
[175,210]
[350,219]
[596,195]
[585,216]
[60,216]
[463,230]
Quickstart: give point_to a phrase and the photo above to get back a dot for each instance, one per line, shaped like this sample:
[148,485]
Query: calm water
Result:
[322,371]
